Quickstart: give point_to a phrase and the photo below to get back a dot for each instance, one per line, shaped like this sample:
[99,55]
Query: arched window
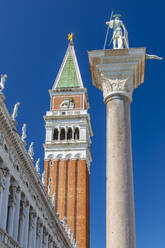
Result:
[69,133]
[55,134]
[76,133]
[62,134]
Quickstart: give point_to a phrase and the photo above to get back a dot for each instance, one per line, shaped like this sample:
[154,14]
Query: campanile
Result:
[67,148]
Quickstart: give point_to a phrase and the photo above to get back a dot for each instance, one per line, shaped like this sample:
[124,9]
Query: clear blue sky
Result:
[33,41]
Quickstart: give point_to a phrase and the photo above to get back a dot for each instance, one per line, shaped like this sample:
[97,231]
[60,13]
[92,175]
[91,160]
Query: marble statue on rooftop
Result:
[120,40]
[30,151]
[53,199]
[69,233]
[23,137]
[49,188]
[37,165]
[43,178]
[15,111]
[64,221]
[2,82]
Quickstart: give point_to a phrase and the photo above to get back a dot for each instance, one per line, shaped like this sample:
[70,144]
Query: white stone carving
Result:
[67,104]
[23,137]
[2,82]
[2,138]
[64,222]
[53,199]
[75,245]
[119,40]
[151,56]
[43,178]
[30,151]
[49,189]
[37,166]
[115,86]
[69,233]
[15,111]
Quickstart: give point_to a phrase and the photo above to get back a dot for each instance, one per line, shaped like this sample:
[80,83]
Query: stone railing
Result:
[7,240]
[66,112]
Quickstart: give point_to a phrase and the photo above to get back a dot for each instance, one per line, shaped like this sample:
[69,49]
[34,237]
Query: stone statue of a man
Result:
[53,199]
[2,82]
[15,110]
[37,165]
[49,188]
[23,137]
[30,151]
[43,178]
[119,40]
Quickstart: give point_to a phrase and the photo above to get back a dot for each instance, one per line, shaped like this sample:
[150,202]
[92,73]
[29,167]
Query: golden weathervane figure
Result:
[70,37]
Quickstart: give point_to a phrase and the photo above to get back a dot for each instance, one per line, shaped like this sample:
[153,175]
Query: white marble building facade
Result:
[27,215]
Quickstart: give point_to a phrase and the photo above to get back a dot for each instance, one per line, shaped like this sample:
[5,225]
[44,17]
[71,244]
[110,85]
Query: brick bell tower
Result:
[67,148]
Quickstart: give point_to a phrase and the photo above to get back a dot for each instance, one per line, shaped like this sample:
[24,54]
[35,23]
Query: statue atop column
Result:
[120,34]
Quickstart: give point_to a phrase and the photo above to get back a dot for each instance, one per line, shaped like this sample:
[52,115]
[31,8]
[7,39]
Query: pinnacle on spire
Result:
[69,74]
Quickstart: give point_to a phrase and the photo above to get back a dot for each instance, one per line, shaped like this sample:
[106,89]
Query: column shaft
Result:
[4,206]
[21,228]
[46,240]
[10,219]
[26,228]
[34,233]
[41,237]
[16,216]
[120,226]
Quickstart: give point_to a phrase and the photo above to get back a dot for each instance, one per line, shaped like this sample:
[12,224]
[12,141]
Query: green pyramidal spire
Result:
[69,74]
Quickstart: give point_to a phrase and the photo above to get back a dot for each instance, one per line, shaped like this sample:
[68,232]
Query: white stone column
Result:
[119,184]
[16,214]
[31,227]
[34,232]
[117,73]
[46,239]
[73,133]
[120,217]
[5,197]
[66,131]
[2,186]
[11,209]
[50,242]
[22,222]
[38,233]
[26,226]
[41,236]
[59,130]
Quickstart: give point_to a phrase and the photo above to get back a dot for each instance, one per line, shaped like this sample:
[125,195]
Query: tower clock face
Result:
[67,103]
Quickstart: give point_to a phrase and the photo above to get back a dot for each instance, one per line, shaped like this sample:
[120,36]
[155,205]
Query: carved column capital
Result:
[32,216]
[13,194]
[117,86]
